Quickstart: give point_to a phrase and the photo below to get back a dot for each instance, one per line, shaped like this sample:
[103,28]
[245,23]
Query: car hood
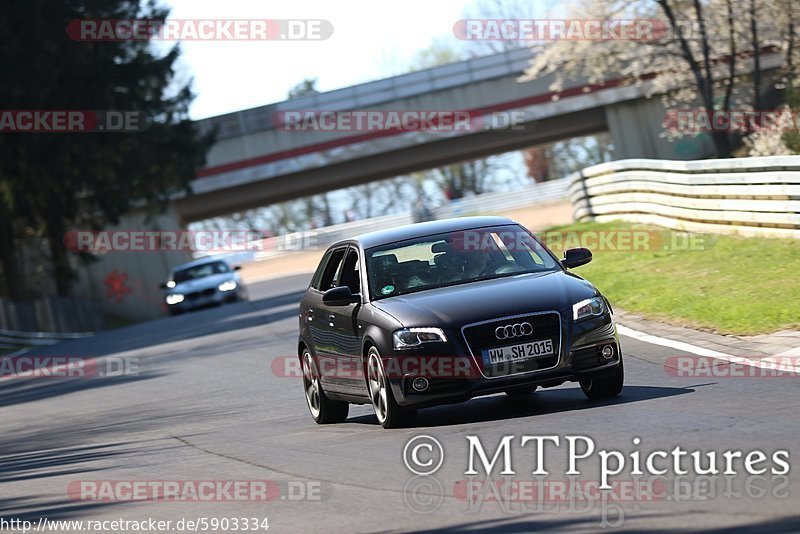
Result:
[200,284]
[461,304]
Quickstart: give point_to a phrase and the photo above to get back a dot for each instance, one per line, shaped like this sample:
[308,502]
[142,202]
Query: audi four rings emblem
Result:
[513,330]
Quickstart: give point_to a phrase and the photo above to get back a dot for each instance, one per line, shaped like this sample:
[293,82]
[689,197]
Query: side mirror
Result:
[339,296]
[575,257]
[237,268]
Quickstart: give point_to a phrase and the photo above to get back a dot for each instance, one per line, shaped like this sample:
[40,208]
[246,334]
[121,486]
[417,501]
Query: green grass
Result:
[734,285]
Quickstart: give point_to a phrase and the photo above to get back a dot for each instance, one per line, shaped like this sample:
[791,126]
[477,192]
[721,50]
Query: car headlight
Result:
[171,284]
[593,307]
[175,298]
[230,285]
[414,337]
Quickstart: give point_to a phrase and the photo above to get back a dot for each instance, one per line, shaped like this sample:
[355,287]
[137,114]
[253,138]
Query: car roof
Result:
[197,262]
[410,231]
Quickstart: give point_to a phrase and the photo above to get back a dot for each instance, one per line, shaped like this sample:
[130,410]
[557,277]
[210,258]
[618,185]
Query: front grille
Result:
[481,336]
[589,357]
[205,293]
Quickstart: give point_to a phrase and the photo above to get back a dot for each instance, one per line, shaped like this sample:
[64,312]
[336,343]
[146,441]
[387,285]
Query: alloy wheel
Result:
[377,385]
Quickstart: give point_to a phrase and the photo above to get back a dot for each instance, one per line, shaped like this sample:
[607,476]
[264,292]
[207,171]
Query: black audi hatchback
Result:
[443,311]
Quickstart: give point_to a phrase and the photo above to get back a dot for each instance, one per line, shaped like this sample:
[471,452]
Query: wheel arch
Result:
[301,346]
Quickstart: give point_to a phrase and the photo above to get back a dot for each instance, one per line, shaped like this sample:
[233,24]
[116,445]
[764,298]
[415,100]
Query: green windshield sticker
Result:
[387,289]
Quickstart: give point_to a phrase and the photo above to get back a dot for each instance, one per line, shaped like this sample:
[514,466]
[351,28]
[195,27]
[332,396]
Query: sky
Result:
[371,40]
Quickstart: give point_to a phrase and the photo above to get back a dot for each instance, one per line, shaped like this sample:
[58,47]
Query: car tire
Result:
[606,385]
[323,410]
[389,413]
[521,392]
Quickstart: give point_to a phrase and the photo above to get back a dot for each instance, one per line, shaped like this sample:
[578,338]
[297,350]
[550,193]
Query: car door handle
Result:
[331,318]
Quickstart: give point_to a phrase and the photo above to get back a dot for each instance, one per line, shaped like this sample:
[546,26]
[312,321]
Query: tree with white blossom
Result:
[711,51]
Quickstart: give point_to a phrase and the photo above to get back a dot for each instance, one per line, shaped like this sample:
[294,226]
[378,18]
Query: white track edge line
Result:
[764,363]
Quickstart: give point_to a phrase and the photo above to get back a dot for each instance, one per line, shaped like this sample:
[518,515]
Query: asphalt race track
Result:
[204,403]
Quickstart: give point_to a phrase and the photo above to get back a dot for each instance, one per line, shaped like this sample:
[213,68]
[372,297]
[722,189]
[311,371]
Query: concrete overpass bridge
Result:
[254,163]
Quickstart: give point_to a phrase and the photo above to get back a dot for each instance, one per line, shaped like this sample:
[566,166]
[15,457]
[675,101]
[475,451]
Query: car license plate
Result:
[523,351]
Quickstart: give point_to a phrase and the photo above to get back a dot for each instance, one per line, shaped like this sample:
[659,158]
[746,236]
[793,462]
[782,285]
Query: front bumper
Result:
[191,302]
[579,356]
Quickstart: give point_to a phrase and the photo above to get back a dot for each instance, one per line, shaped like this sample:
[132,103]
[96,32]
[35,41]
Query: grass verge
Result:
[724,284]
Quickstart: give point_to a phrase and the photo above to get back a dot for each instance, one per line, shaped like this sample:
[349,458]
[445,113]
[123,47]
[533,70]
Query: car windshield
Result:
[200,271]
[454,258]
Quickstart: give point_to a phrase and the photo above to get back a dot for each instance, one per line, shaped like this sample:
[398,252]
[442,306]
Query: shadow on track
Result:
[25,389]
[519,525]
[55,462]
[206,322]
[59,462]
[523,525]
[62,450]
[20,390]
[498,408]
[26,509]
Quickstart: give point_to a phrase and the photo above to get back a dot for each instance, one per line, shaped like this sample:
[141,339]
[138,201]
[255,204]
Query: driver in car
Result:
[476,264]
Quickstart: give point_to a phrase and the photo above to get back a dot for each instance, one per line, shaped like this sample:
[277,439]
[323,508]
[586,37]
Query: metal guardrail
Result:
[745,196]
[479,204]
[322,237]
[496,202]
[51,314]
[11,338]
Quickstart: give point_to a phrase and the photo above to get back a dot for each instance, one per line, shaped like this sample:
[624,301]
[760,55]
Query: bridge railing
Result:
[745,196]
[487,203]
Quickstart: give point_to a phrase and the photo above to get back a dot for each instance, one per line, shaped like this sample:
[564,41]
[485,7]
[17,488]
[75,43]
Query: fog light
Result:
[608,352]
[420,384]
